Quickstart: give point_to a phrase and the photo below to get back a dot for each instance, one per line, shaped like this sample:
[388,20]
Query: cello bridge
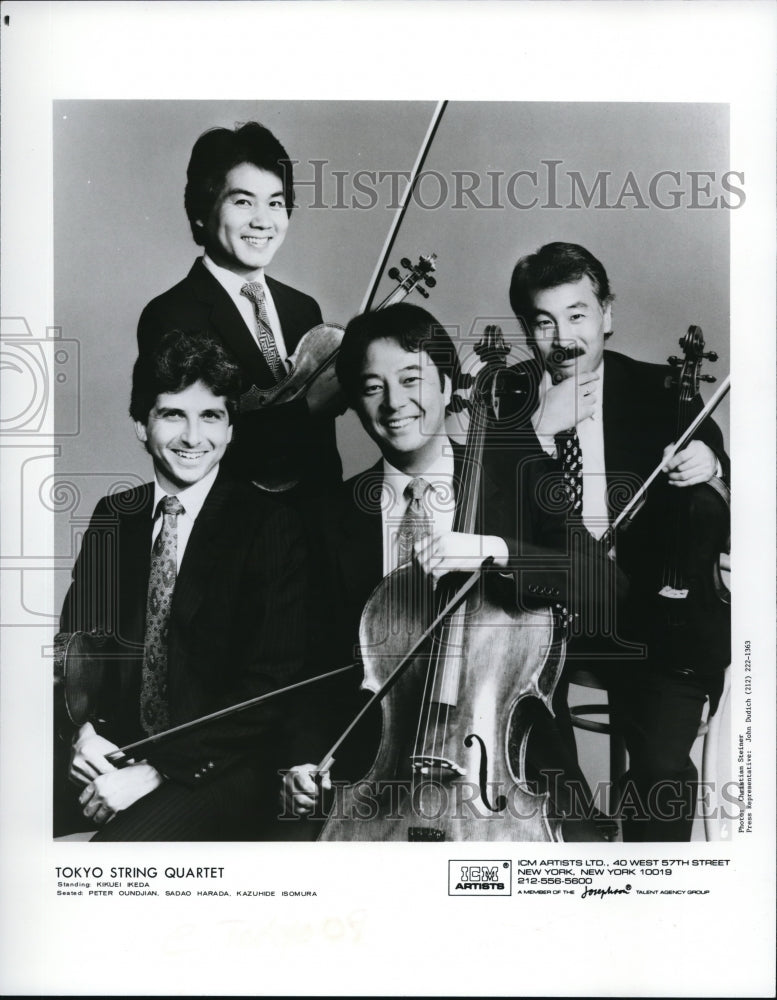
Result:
[437,766]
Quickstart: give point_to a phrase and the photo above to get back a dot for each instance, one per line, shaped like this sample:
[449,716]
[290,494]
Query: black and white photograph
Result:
[388,469]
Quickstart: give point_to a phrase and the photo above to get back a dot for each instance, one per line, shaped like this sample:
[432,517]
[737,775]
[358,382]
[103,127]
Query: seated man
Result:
[602,423]
[397,368]
[199,584]
[239,198]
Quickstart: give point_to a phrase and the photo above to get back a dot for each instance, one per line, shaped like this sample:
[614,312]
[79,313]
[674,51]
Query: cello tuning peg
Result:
[711,355]
[422,291]
[674,361]
[394,273]
[429,281]
[708,378]
[405,262]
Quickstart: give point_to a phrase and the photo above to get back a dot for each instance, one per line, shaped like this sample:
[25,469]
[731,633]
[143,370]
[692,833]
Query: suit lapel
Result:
[615,421]
[359,543]
[359,549]
[202,552]
[134,563]
[489,501]
[283,298]
[227,320]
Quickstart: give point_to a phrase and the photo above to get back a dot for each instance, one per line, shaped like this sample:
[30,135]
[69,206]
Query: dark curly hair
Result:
[181,359]
[218,151]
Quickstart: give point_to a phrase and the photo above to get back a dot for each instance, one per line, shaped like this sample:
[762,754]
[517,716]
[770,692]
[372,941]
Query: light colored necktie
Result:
[417,520]
[154,705]
[254,291]
[571,455]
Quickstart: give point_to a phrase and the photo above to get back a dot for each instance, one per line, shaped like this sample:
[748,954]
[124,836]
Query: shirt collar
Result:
[231,282]
[440,471]
[192,498]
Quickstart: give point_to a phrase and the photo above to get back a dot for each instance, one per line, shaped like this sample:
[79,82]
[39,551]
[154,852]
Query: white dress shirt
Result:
[232,283]
[192,499]
[591,434]
[440,501]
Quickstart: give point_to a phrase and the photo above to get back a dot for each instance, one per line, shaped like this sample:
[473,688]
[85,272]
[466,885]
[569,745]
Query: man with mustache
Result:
[602,423]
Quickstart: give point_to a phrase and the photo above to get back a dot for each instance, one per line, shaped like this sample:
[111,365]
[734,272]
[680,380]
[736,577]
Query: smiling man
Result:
[239,198]
[398,367]
[197,582]
[603,422]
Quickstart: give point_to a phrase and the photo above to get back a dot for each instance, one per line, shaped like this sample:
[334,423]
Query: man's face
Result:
[186,435]
[401,404]
[248,221]
[569,327]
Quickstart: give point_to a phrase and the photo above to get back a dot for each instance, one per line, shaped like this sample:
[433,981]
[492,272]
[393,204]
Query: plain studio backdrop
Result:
[645,187]
[122,236]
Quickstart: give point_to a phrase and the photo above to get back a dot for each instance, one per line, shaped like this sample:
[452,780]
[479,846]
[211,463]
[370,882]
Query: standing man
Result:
[398,367]
[602,424]
[239,198]
[198,583]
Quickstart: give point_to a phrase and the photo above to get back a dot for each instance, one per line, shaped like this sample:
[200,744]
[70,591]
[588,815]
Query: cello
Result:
[450,765]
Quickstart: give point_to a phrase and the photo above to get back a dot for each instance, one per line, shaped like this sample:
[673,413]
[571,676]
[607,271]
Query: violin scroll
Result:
[420,275]
[687,379]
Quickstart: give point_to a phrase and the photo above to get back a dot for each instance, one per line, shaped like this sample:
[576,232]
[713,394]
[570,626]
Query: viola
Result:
[691,627]
[680,582]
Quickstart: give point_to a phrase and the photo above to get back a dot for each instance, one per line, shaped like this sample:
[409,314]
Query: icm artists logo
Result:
[479,878]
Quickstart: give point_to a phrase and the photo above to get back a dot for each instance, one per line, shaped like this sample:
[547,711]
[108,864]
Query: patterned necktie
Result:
[571,455]
[417,520]
[154,706]
[254,291]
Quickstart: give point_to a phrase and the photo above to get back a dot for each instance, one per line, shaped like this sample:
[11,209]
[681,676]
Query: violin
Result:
[691,628]
[318,348]
[80,666]
[680,581]
[316,352]
[454,696]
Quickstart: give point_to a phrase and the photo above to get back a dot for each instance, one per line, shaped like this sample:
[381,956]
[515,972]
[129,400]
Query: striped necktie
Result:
[254,291]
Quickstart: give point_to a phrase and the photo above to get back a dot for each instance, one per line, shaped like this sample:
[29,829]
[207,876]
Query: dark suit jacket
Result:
[639,421]
[236,623]
[345,530]
[263,438]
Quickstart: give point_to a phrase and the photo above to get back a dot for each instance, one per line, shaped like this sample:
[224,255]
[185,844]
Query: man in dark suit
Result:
[198,583]
[398,367]
[602,423]
[239,199]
